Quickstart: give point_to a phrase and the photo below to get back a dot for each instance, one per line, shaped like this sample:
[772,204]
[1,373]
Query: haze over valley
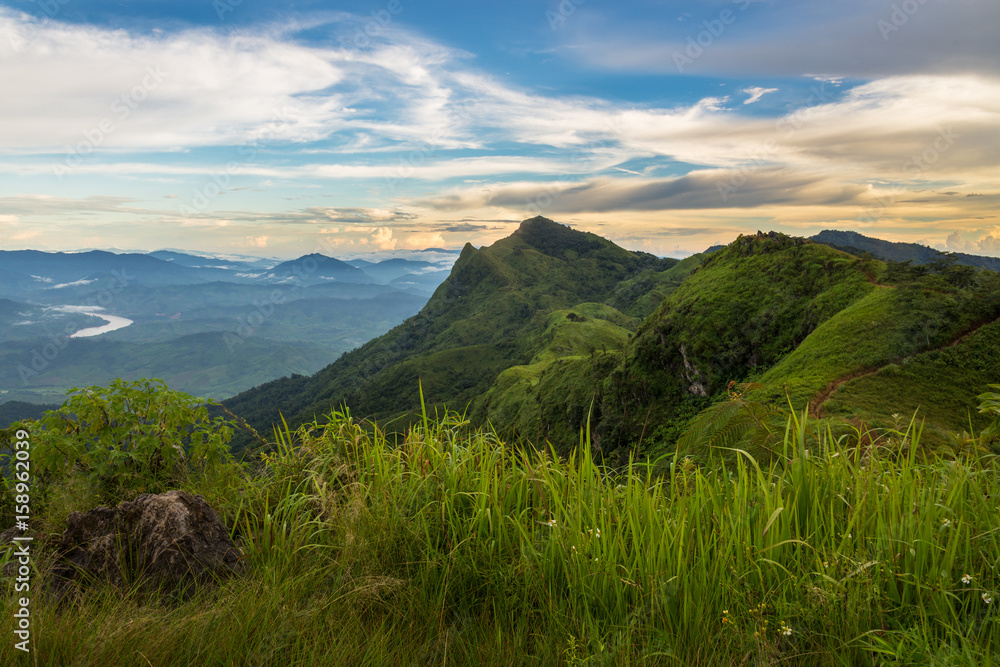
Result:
[207,325]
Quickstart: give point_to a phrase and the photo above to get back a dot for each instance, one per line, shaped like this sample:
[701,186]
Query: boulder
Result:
[166,542]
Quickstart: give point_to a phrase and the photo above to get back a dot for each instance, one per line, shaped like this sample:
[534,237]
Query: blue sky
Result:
[281,128]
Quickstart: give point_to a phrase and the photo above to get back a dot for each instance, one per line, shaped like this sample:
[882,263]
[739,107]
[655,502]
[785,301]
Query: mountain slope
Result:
[543,331]
[738,309]
[203,364]
[488,315]
[49,269]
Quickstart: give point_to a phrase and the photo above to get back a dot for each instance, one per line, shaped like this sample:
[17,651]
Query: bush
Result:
[129,437]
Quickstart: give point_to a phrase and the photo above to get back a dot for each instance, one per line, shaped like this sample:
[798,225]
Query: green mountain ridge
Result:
[484,318]
[551,328]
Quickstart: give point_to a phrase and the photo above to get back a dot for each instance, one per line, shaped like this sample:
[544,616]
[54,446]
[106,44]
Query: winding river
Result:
[113,322]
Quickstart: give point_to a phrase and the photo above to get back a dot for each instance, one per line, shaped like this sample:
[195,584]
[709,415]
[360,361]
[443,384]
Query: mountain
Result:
[424,283]
[489,314]
[551,328]
[815,326]
[390,269]
[51,271]
[315,269]
[204,364]
[858,244]
[239,263]
[12,411]
[243,327]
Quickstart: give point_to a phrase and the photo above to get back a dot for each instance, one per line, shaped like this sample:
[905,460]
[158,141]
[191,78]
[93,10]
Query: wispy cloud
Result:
[697,190]
[756,92]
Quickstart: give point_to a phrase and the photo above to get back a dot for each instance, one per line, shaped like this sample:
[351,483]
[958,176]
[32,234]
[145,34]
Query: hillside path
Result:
[816,405]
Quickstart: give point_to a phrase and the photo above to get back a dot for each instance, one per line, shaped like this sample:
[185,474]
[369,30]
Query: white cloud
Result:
[80,84]
[703,189]
[382,238]
[82,281]
[989,245]
[419,98]
[756,92]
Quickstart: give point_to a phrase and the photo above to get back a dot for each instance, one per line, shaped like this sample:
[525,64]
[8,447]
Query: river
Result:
[114,322]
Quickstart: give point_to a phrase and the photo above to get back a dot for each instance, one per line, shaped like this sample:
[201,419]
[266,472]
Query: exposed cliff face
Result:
[697,386]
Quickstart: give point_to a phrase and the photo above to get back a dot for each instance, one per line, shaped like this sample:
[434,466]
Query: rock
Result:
[168,541]
[692,375]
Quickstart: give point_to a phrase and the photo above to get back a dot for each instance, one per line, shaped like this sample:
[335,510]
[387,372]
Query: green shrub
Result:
[129,437]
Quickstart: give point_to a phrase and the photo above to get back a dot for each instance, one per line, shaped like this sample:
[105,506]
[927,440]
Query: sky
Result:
[389,126]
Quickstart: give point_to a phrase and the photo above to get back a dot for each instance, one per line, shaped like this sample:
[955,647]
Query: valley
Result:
[210,326]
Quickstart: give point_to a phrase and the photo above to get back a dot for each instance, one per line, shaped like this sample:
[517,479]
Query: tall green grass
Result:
[453,547]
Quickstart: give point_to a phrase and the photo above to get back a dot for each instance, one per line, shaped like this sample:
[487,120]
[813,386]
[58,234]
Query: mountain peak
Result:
[554,239]
[537,221]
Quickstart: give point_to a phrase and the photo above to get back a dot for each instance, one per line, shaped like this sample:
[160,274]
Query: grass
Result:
[546,399]
[455,548]
[937,383]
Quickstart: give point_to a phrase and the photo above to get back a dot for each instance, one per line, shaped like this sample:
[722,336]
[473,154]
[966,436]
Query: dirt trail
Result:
[816,405]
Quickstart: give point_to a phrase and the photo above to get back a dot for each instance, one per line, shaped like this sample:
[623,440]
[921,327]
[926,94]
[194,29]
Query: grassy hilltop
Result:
[550,327]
